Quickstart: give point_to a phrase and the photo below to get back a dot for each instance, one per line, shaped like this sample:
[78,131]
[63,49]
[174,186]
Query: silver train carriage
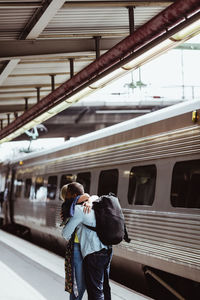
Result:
[151,162]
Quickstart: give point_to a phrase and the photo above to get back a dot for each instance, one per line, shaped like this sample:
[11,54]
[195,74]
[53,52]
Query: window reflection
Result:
[52,187]
[142,181]
[108,182]
[84,179]
[18,188]
[28,183]
[185,189]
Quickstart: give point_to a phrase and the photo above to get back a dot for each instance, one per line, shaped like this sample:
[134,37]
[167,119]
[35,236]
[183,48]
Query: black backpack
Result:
[110,224]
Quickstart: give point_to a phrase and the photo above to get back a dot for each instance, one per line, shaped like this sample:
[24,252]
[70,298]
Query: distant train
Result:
[153,164]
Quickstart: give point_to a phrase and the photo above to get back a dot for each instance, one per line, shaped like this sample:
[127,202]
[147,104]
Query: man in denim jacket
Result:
[96,256]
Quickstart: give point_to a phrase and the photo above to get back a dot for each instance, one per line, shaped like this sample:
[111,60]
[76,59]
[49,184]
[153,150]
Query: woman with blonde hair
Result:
[73,194]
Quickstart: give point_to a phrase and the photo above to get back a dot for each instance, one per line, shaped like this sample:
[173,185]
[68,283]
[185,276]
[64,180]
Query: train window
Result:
[67,178]
[108,182]
[52,187]
[39,182]
[185,188]
[142,181]
[84,179]
[40,189]
[28,183]
[18,188]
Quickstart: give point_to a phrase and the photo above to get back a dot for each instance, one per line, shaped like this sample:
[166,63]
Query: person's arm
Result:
[83,198]
[88,204]
[73,223]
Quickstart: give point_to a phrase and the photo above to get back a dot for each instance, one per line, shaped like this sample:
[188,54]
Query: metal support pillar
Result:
[16,114]
[97,46]
[26,104]
[1,124]
[131,19]
[71,63]
[38,94]
[8,118]
[52,82]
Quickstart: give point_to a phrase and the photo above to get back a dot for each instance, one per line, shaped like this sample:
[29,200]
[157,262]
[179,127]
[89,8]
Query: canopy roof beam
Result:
[21,48]
[10,65]
[41,19]
[118,3]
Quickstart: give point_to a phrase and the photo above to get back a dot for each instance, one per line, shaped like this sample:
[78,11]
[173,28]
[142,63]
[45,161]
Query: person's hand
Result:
[88,204]
[87,207]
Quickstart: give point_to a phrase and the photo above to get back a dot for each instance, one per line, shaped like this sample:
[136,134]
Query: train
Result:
[152,163]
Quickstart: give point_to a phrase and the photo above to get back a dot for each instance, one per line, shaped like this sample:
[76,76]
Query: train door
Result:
[8,205]
[2,189]
[10,195]
[51,203]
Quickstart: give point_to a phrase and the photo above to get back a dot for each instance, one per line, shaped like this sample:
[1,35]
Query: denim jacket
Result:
[88,239]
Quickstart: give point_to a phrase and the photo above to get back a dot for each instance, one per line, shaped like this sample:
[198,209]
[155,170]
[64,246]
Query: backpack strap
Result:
[90,227]
[126,238]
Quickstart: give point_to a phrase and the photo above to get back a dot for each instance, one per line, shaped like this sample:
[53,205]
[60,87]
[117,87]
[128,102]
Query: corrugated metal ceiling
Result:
[107,21]
[26,24]
[13,21]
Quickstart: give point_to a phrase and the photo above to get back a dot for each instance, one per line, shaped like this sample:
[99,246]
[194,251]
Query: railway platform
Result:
[33,273]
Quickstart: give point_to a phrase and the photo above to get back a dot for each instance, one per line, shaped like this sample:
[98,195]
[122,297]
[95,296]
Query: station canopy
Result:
[53,53]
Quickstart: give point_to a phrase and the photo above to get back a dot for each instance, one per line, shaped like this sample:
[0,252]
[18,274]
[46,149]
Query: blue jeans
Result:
[97,269]
[79,274]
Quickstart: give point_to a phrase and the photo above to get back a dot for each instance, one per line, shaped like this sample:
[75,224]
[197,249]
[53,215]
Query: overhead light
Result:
[149,54]
[58,108]
[79,95]
[18,132]
[188,32]
[29,125]
[107,79]
[43,117]
[183,35]
[50,113]
[12,135]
